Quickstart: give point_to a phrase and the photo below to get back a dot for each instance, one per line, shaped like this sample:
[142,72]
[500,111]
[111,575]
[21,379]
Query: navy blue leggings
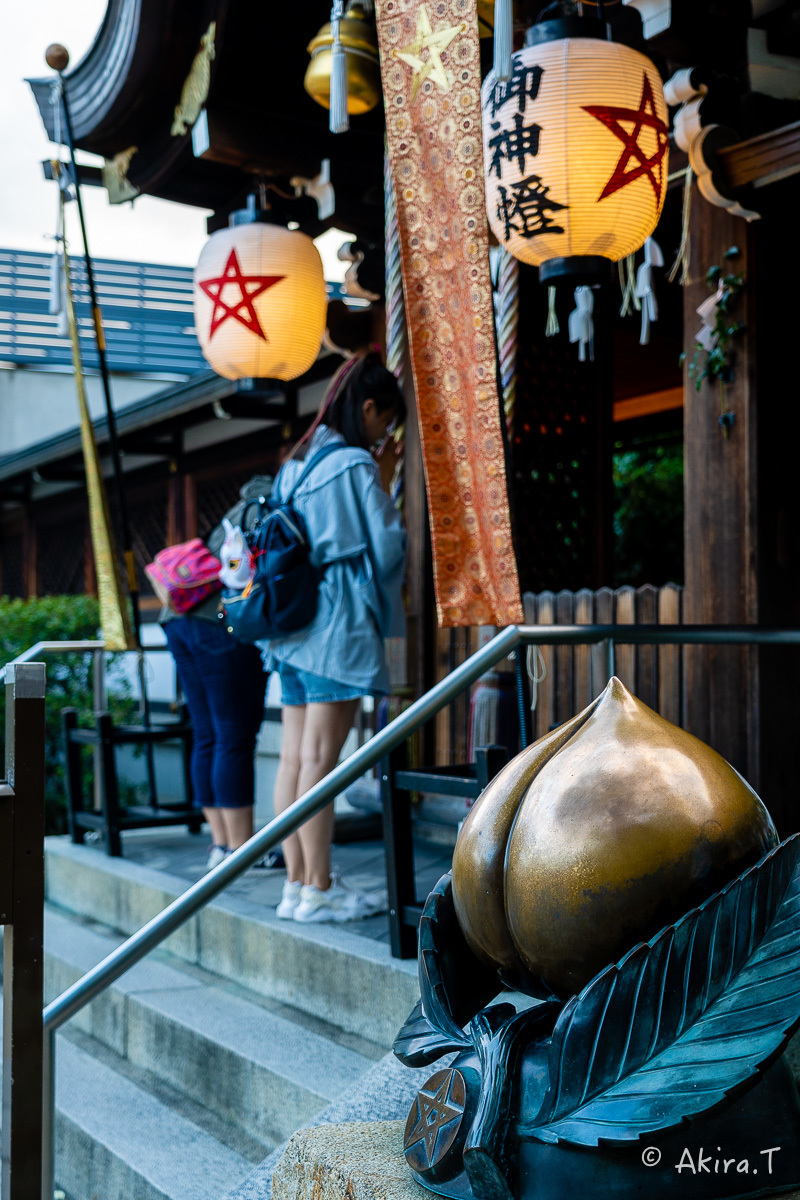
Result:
[224,684]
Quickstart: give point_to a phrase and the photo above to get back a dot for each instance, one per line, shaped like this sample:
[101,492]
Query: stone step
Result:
[120,1133]
[324,971]
[251,1062]
[116,1140]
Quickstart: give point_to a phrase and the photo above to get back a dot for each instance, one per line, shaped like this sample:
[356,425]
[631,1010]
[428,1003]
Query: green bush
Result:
[69,680]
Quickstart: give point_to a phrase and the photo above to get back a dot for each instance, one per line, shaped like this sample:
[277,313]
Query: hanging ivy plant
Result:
[715,344]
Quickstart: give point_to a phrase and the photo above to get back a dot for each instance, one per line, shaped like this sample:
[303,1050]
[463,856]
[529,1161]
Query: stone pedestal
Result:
[357,1161]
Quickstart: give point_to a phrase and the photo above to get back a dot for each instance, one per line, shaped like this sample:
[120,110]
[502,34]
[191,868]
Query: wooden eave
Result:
[123,93]
[765,159]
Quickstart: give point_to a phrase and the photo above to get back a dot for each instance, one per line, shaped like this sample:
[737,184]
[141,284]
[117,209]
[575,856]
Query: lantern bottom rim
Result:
[575,270]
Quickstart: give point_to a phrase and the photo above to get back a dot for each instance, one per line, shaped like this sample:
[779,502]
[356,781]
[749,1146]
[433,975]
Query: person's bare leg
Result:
[238,824]
[293,719]
[213,819]
[324,733]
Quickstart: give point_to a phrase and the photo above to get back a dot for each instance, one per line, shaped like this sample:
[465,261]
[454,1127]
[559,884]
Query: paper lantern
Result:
[260,302]
[575,150]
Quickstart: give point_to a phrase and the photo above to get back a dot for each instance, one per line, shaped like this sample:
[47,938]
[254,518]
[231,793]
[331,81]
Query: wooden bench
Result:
[114,818]
[398,783]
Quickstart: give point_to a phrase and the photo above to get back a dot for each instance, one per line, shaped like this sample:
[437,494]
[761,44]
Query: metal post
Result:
[113,440]
[48,1114]
[22,912]
[611,663]
[100,705]
[603,663]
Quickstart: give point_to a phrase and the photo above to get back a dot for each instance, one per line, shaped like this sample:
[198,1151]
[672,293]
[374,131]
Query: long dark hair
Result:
[363,377]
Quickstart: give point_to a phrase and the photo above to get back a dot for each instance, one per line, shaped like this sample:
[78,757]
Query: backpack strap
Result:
[312,462]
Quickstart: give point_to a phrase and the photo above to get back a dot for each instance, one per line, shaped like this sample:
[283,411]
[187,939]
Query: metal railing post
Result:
[48,1113]
[611,658]
[22,914]
[100,700]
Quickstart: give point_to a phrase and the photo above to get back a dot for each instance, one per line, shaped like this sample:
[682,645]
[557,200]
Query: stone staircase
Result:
[180,1080]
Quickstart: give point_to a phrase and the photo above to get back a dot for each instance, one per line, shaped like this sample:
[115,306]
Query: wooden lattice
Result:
[215,496]
[553,451]
[11,576]
[61,558]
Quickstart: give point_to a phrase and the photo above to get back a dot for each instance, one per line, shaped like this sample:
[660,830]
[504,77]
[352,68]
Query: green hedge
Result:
[69,680]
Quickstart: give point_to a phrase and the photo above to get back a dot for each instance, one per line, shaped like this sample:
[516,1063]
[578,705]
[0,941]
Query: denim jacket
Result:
[357,538]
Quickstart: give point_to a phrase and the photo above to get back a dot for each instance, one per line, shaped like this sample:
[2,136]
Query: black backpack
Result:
[282,597]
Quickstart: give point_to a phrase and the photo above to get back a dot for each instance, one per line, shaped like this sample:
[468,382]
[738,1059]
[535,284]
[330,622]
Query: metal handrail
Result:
[30,654]
[381,744]
[378,746]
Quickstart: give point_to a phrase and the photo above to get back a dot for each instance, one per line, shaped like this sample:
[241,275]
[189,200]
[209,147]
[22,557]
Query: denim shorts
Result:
[301,687]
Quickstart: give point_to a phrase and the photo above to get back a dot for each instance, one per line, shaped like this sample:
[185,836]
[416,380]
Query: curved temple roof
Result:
[258,120]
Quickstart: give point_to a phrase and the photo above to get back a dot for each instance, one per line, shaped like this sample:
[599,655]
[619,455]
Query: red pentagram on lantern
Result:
[645,117]
[243,310]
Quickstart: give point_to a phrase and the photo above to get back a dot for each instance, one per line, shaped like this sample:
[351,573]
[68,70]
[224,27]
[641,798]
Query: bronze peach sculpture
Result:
[594,838]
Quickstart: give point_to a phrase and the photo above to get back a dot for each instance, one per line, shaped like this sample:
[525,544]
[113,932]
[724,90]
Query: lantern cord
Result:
[506,305]
[683,257]
[552,327]
[644,287]
[581,323]
[503,39]
[339,121]
[537,672]
[627,283]
[396,328]
[396,335]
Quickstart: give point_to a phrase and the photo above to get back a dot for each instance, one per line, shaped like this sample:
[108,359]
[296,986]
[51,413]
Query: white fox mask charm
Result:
[237,564]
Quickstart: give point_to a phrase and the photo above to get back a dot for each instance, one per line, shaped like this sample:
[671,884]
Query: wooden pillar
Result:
[742,529]
[721,488]
[30,572]
[21,913]
[777,527]
[189,507]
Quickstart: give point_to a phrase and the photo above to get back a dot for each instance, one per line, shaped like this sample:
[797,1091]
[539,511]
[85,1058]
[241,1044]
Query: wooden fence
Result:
[573,675]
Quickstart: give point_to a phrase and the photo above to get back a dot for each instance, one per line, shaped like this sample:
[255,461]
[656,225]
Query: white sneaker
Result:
[338,903]
[289,900]
[215,856]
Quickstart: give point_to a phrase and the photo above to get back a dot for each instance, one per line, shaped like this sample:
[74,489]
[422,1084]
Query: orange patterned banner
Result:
[430,64]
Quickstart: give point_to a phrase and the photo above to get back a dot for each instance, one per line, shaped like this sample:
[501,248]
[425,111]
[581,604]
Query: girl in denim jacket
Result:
[358,542]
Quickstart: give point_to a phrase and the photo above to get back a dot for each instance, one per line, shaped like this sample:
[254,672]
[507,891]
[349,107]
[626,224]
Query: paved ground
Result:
[361,865]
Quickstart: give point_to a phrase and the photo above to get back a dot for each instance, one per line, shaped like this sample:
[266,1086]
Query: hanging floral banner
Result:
[430,64]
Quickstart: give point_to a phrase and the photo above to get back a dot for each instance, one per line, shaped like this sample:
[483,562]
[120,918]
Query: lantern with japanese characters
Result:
[260,301]
[575,150]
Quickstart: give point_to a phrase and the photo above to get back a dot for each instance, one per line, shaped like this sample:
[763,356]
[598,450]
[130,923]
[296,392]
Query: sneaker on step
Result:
[289,900]
[215,856]
[338,903]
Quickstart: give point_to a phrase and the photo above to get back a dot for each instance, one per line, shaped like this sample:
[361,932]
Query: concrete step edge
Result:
[326,971]
[257,1069]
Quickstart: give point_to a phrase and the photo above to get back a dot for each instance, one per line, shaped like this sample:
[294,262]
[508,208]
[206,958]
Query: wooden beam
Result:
[647,405]
[764,159]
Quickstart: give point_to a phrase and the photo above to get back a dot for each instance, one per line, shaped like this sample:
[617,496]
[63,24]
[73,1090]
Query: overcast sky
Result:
[149,230]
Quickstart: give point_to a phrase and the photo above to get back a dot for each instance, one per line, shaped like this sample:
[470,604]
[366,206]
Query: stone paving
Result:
[361,865]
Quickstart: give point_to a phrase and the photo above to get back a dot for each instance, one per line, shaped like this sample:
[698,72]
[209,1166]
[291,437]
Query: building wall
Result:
[37,404]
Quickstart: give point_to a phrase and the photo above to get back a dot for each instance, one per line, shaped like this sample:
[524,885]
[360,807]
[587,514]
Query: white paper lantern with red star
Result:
[575,150]
[260,302]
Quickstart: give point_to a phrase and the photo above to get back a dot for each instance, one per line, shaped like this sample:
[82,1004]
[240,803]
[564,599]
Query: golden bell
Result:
[360,41]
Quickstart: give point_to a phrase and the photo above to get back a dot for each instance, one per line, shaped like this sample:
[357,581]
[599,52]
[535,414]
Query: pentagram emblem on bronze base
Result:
[434,1129]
